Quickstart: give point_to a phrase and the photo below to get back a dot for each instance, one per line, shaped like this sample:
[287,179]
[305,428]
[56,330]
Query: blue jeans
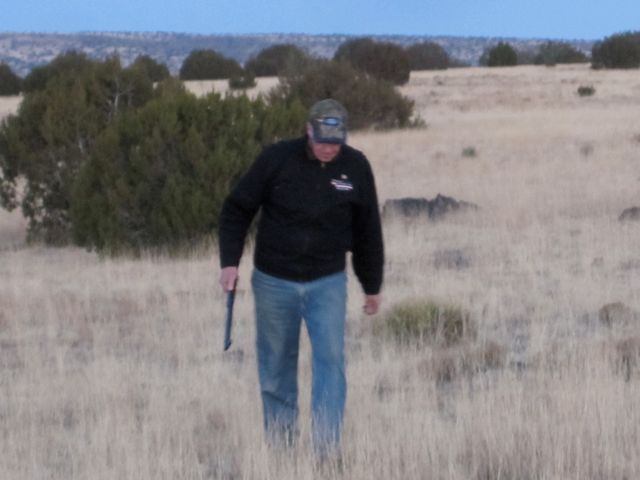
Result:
[281,305]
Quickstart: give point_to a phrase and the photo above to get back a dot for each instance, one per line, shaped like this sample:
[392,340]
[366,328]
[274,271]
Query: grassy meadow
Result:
[113,368]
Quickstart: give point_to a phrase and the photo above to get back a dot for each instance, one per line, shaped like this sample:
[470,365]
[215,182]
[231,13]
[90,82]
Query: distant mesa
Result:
[435,209]
[24,51]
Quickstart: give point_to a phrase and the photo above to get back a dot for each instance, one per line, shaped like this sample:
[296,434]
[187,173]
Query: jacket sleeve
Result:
[367,247]
[238,211]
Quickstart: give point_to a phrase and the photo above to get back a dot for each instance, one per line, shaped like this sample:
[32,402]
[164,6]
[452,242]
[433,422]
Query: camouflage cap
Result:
[328,119]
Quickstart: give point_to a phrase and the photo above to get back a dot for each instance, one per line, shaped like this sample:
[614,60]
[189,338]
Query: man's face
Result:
[325,152]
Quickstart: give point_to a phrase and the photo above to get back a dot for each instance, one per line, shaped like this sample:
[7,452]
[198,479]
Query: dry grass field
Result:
[203,87]
[113,368]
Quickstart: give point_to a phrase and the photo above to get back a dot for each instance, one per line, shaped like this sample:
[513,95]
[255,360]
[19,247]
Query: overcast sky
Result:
[558,19]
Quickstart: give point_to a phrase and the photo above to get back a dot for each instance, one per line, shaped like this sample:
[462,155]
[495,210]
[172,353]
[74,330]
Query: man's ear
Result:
[309,130]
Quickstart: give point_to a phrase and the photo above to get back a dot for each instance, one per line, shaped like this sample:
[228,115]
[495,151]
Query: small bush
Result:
[586,90]
[277,60]
[371,103]
[627,356]
[208,65]
[586,150]
[428,56]
[618,51]
[502,55]
[552,53]
[10,83]
[425,322]
[469,152]
[382,60]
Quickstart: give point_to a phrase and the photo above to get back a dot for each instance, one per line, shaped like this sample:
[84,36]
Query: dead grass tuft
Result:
[451,364]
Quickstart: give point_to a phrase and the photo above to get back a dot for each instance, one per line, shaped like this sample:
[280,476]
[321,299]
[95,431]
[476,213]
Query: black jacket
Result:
[312,214]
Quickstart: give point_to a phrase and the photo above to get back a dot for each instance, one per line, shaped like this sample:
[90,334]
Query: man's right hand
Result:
[229,278]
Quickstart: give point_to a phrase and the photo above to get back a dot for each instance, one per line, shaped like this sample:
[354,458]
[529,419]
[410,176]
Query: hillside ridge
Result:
[24,51]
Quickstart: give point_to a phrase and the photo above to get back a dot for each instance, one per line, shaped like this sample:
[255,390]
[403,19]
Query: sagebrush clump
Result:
[586,90]
[425,322]
[469,152]
[10,83]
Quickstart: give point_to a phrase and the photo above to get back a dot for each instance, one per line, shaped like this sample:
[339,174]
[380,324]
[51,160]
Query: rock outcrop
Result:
[438,208]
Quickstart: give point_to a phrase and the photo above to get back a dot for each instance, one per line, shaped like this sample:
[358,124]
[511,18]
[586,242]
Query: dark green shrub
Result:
[469,152]
[552,53]
[10,83]
[208,65]
[158,176]
[68,63]
[371,103]
[277,60]
[525,56]
[156,71]
[424,322]
[54,133]
[242,82]
[617,51]
[427,56]
[382,60]
[586,90]
[502,55]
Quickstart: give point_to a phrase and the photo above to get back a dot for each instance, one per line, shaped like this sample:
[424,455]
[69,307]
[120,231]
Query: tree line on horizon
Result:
[385,60]
[119,158]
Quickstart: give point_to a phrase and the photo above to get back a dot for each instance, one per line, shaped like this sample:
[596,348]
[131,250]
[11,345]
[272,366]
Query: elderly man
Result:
[318,200]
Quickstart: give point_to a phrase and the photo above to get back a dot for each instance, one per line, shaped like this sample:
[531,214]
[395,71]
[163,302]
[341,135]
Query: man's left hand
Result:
[372,304]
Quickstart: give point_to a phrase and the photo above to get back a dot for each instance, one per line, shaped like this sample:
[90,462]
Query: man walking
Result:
[318,200]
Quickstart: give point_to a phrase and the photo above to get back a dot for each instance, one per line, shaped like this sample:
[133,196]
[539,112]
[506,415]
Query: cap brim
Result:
[322,133]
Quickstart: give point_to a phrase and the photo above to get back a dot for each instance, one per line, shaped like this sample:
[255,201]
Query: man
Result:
[318,200]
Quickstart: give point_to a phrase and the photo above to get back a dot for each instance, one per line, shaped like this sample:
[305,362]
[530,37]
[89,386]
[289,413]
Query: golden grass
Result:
[9,105]
[203,87]
[114,368]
